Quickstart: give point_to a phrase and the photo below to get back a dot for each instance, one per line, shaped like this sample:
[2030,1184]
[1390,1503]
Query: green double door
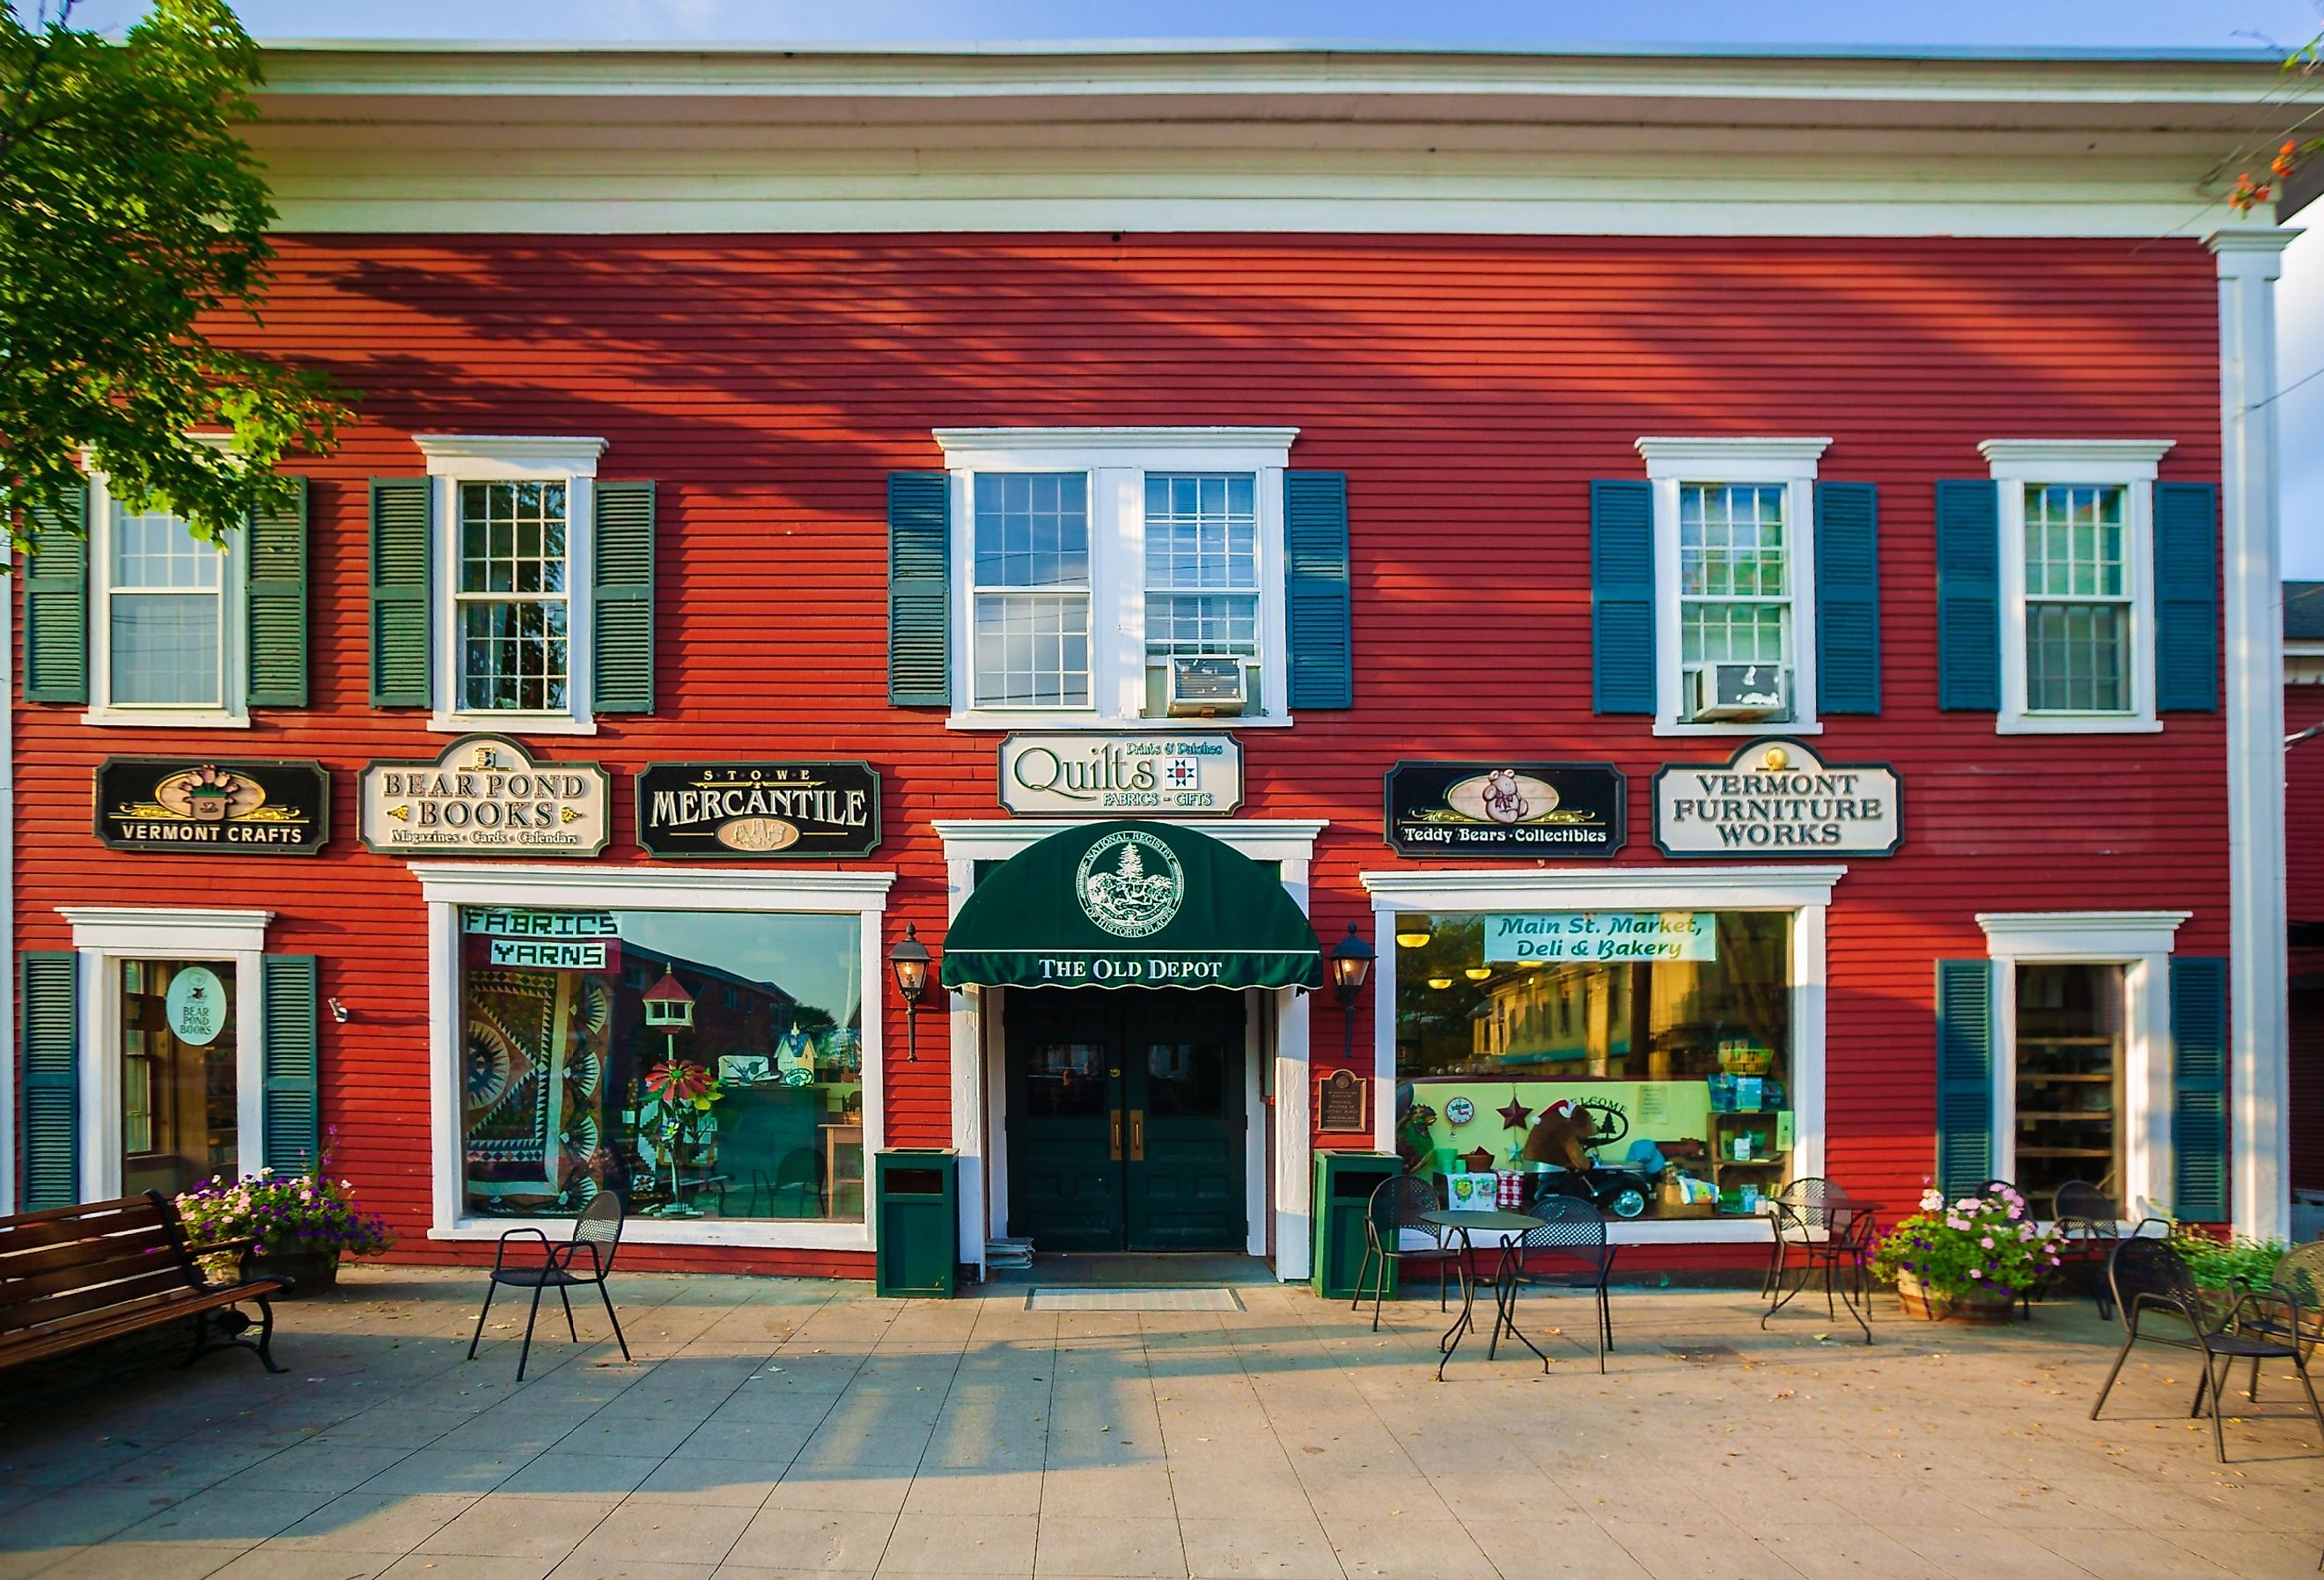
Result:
[1126,1119]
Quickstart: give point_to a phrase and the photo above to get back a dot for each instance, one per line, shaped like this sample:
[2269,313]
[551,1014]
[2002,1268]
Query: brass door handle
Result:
[1114,1151]
[1137,1135]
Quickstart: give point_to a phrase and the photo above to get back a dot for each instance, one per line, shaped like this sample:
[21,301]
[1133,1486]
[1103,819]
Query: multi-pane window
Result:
[166,613]
[511,605]
[1202,566]
[1734,582]
[1032,589]
[2078,596]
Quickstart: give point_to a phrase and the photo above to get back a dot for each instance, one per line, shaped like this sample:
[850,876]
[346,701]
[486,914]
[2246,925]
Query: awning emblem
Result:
[1130,884]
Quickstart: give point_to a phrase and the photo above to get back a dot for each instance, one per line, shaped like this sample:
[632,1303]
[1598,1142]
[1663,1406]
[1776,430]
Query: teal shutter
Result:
[919,589]
[2198,1088]
[1968,597]
[1318,615]
[292,1127]
[1622,596]
[623,661]
[56,605]
[1847,597]
[2186,596]
[1964,1075]
[403,532]
[274,568]
[50,1003]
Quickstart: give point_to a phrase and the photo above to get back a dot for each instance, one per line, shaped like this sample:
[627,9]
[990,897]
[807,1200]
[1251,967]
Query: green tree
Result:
[133,225]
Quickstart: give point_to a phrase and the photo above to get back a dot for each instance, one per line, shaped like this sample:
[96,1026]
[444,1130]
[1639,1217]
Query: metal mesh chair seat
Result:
[2088,1222]
[2150,1282]
[1398,1203]
[1571,1242]
[586,1258]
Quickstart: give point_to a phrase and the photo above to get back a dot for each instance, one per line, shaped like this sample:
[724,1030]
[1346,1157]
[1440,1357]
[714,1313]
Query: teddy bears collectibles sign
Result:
[486,793]
[1562,809]
[234,806]
[1776,796]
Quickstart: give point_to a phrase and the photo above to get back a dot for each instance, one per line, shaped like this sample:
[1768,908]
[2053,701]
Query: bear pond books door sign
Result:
[1562,809]
[239,807]
[486,793]
[782,810]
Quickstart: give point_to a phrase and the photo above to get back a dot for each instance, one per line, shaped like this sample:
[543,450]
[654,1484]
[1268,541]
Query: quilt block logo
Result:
[1130,884]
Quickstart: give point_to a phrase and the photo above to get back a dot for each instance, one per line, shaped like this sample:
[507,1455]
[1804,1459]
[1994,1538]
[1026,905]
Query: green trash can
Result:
[1344,1183]
[916,1223]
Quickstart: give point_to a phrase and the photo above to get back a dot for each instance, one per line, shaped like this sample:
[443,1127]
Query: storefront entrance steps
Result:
[1135,1270]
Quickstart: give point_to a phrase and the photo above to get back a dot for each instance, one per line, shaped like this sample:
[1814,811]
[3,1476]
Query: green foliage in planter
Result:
[286,1214]
[2230,1265]
[1972,1243]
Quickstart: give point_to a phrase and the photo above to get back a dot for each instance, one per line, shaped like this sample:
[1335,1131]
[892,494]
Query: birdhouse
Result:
[668,1003]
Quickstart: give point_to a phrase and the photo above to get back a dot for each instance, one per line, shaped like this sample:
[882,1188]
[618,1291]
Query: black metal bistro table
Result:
[1465,1224]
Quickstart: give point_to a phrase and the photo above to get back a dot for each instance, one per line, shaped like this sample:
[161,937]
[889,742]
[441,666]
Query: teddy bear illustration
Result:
[1503,803]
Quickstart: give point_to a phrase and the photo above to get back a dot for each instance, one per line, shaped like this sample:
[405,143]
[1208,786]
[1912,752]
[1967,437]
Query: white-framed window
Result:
[2081,1051]
[513,555]
[2077,522]
[172,1064]
[1771,924]
[1089,558]
[779,1161]
[1734,523]
[167,629]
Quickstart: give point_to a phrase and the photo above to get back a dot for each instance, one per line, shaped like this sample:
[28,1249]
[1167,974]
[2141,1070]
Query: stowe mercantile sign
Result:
[781,809]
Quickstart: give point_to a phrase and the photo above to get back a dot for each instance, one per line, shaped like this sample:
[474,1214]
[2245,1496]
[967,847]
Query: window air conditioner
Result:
[1206,688]
[1717,693]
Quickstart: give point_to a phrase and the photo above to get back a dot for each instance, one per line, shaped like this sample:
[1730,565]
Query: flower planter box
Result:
[1980,1307]
[310,1272]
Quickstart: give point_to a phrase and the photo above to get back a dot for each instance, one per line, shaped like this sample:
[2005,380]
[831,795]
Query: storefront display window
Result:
[1640,1059]
[709,1064]
[177,1080]
[2069,1078]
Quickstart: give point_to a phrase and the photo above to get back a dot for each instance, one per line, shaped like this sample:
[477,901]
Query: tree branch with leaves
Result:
[133,217]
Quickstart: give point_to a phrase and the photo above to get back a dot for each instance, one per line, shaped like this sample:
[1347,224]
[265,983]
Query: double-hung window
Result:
[166,619]
[1734,555]
[2077,599]
[514,543]
[1095,559]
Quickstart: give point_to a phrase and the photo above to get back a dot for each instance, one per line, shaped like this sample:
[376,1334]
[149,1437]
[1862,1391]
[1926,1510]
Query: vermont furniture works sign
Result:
[486,793]
[1075,774]
[1778,797]
[239,807]
[1559,809]
[783,810]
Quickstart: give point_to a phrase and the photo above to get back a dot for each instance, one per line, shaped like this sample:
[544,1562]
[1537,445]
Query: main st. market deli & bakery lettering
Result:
[758,809]
[486,793]
[1776,796]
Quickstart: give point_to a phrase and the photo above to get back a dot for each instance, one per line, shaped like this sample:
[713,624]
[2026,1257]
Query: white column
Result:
[2258,1017]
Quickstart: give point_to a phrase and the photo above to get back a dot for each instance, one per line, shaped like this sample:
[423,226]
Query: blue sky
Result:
[2278,24]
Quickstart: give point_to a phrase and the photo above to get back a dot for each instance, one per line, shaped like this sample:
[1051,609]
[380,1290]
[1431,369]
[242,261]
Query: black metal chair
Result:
[2151,1280]
[597,1236]
[2291,1309]
[1572,1236]
[1804,1190]
[2088,1222]
[1401,1202]
[1831,1231]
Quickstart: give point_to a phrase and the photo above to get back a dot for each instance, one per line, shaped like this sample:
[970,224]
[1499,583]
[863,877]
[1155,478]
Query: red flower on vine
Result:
[678,1081]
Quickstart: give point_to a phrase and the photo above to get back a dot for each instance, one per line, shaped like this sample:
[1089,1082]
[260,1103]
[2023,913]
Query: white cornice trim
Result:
[2079,934]
[2051,460]
[1265,839]
[2269,239]
[508,458]
[656,888]
[167,930]
[1744,459]
[1739,888]
[970,449]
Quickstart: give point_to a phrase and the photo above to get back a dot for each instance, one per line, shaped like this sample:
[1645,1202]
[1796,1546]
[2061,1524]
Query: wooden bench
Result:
[71,1277]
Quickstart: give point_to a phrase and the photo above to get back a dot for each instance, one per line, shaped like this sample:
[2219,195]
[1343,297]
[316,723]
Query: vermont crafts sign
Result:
[239,808]
[486,793]
[780,809]
[1076,774]
[1562,809]
[1777,797]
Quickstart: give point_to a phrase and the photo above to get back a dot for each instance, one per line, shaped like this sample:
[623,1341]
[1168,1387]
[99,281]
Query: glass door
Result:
[178,1077]
[2069,1079]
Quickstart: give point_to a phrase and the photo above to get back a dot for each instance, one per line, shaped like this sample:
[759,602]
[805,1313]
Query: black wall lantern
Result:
[910,960]
[1352,963]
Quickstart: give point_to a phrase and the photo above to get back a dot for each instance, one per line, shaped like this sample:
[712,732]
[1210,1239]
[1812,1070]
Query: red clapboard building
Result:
[1702,608]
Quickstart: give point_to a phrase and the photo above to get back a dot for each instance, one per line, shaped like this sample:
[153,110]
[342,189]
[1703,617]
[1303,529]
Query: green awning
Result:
[1131,904]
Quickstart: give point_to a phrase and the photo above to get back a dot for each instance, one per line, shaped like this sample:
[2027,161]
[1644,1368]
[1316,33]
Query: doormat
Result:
[1189,1299]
